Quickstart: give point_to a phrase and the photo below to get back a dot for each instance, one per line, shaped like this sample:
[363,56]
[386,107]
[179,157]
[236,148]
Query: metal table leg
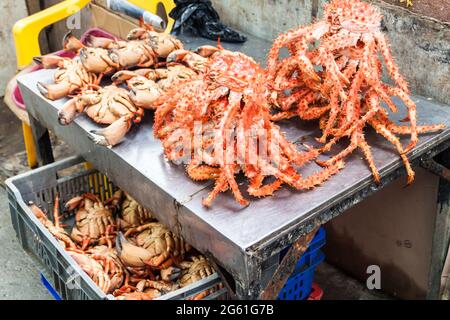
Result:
[42,141]
[441,234]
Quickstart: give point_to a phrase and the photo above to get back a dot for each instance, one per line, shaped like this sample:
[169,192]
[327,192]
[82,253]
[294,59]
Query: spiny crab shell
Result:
[230,96]
[334,73]
[354,16]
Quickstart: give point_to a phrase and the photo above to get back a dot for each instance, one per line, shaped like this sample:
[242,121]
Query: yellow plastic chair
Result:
[26,38]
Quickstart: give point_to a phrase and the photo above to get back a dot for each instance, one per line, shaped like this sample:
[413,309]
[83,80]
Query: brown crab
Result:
[143,91]
[105,56]
[153,245]
[173,74]
[94,270]
[133,214]
[94,223]
[70,77]
[107,105]
[145,290]
[111,263]
[147,85]
[195,270]
[162,43]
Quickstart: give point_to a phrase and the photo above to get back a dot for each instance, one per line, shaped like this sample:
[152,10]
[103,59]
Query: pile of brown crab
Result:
[123,249]
[125,61]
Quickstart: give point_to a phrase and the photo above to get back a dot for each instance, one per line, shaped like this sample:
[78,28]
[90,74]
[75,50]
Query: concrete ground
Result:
[336,285]
[19,273]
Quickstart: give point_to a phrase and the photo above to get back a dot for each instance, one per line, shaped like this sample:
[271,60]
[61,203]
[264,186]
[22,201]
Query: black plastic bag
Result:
[200,18]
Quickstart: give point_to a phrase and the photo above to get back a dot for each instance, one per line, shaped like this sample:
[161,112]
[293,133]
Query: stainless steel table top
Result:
[231,233]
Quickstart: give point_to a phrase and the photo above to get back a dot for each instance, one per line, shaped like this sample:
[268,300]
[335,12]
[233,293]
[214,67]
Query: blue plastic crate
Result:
[299,284]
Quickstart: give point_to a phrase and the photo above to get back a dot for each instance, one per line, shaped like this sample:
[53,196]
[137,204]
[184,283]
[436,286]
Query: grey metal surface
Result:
[237,237]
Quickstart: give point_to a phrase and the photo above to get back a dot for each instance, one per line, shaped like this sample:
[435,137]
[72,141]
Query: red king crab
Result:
[109,105]
[224,105]
[347,91]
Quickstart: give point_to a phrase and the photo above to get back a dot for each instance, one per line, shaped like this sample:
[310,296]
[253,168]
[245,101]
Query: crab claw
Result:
[68,112]
[71,43]
[170,274]
[177,55]
[73,203]
[131,255]
[53,91]
[43,88]
[207,50]
[37,60]
[37,211]
[137,34]
[48,61]
[145,98]
[100,42]
[113,134]
[122,76]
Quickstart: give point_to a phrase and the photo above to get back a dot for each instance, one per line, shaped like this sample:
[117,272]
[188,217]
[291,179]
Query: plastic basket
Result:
[299,284]
[62,274]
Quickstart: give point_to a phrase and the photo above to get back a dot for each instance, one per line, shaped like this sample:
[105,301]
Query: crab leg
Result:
[256,188]
[381,129]
[364,146]
[383,46]
[354,142]
[114,133]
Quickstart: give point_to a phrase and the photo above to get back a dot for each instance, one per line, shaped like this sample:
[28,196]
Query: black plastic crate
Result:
[69,178]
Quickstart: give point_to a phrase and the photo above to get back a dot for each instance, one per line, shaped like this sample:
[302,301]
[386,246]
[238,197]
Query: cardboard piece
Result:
[113,23]
[392,229]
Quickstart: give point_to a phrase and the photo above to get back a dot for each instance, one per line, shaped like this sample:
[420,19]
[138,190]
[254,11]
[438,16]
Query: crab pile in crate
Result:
[217,110]
[123,249]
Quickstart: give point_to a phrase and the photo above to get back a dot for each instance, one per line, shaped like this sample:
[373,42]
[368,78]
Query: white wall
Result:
[11,11]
